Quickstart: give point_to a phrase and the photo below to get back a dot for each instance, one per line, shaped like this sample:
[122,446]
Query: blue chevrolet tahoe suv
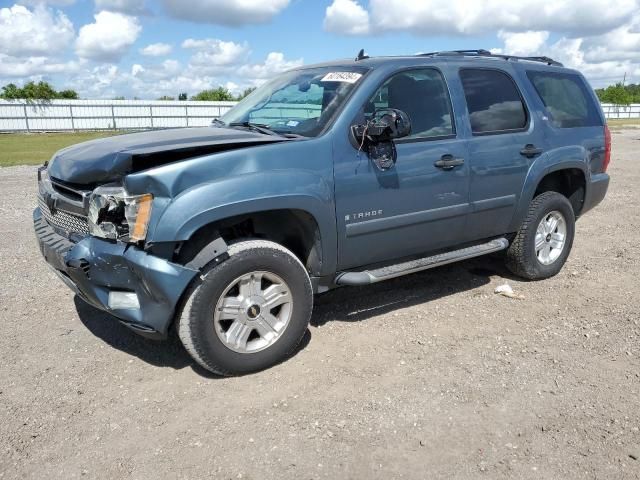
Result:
[343,173]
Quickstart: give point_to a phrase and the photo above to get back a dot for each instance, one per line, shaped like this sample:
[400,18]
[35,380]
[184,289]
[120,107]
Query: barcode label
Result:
[346,77]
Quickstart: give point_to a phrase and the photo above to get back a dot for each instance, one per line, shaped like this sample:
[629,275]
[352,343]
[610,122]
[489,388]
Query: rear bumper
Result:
[596,191]
[93,268]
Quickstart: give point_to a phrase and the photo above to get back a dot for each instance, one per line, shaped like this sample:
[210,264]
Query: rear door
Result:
[502,145]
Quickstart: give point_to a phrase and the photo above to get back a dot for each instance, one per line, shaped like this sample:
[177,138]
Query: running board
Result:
[385,273]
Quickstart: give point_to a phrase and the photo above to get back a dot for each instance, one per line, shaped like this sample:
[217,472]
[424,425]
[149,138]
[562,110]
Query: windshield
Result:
[300,102]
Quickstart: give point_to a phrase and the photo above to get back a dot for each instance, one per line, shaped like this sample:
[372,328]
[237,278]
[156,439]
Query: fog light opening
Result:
[123,301]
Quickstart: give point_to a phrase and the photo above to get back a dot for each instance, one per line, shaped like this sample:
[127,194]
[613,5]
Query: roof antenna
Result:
[361,55]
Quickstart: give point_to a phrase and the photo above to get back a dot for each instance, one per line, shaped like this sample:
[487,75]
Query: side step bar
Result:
[385,273]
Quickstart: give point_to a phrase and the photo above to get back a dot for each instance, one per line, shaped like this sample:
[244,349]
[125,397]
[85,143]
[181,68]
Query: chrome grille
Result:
[64,220]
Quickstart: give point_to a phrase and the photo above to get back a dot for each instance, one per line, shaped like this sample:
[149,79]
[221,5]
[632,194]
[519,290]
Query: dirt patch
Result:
[427,376]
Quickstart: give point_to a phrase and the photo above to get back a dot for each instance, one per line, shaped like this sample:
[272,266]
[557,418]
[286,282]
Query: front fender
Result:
[249,193]
[559,159]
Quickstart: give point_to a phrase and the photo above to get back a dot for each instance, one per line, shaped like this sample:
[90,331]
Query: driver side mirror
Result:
[377,135]
[386,124]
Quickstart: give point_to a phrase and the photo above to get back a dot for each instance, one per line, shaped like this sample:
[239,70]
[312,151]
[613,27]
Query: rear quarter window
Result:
[566,98]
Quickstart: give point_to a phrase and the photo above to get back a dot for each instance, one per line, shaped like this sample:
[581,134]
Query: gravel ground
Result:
[427,376]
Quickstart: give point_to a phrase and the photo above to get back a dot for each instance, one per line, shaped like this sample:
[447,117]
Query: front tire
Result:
[249,312]
[544,241]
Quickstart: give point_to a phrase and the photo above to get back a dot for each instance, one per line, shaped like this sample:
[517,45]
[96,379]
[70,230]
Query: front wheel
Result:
[545,238]
[248,313]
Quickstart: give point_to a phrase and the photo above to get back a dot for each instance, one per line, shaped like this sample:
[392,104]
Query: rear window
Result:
[566,98]
[493,101]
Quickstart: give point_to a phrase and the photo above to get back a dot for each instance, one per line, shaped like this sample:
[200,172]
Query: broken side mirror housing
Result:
[377,135]
[386,124]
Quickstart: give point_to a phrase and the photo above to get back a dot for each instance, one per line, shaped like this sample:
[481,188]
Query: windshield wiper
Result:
[218,122]
[258,127]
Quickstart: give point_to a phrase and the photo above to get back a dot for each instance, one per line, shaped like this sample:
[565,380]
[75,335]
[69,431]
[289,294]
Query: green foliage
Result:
[31,91]
[166,97]
[214,95]
[68,94]
[183,96]
[245,93]
[619,94]
[220,94]
[120,97]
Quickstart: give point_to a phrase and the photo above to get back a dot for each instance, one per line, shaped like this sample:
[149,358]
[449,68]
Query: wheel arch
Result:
[276,202]
[546,176]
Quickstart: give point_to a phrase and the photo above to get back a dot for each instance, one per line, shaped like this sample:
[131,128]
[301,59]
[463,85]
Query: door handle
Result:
[447,162]
[530,151]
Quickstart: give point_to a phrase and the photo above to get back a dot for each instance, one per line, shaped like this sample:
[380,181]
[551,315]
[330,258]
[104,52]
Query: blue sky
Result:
[144,48]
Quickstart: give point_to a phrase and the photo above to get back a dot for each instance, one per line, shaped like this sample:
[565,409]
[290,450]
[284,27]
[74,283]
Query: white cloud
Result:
[132,7]
[25,32]
[33,66]
[274,63]
[156,50]
[212,55]
[524,43]
[225,12]
[346,17]
[462,17]
[58,3]
[603,59]
[622,43]
[108,38]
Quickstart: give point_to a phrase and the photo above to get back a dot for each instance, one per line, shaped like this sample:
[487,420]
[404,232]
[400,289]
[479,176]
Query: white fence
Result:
[617,111]
[71,115]
[61,115]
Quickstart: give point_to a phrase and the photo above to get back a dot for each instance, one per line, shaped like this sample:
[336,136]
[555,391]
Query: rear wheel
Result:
[248,313]
[545,238]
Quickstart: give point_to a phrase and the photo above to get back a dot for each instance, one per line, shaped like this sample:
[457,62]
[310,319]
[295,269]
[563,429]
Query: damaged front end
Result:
[93,231]
[93,241]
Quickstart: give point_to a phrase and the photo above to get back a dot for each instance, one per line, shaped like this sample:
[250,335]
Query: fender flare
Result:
[213,201]
[540,169]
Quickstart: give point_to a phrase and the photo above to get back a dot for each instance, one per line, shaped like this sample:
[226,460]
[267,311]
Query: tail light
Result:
[607,148]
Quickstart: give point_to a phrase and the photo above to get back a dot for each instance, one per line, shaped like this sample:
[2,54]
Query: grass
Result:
[37,148]
[623,122]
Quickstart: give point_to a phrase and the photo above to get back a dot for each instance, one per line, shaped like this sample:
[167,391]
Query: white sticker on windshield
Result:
[346,77]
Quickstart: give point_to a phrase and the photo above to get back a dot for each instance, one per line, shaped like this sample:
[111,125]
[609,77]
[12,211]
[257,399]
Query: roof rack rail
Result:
[487,53]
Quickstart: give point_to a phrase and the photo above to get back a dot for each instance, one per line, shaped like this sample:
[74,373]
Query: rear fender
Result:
[552,161]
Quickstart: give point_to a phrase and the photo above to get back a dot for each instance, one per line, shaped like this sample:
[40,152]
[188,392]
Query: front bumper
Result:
[93,267]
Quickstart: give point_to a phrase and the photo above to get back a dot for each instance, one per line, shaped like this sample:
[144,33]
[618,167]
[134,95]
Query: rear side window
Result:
[493,101]
[567,99]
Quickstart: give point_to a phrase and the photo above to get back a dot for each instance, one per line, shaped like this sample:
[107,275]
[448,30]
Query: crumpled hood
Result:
[109,159]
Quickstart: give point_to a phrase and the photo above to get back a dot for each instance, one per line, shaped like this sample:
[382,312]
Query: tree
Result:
[183,96]
[68,94]
[31,91]
[10,92]
[617,94]
[219,94]
[246,92]
[166,97]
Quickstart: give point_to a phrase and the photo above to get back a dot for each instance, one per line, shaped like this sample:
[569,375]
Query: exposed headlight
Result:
[117,215]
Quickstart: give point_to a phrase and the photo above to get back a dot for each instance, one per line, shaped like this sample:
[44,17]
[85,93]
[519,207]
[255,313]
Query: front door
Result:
[421,203]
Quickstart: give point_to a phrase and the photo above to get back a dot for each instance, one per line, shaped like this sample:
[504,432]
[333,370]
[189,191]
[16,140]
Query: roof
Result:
[434,57]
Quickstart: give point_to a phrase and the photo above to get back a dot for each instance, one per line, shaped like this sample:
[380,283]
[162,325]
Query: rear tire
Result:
[249,312]
[544,241]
